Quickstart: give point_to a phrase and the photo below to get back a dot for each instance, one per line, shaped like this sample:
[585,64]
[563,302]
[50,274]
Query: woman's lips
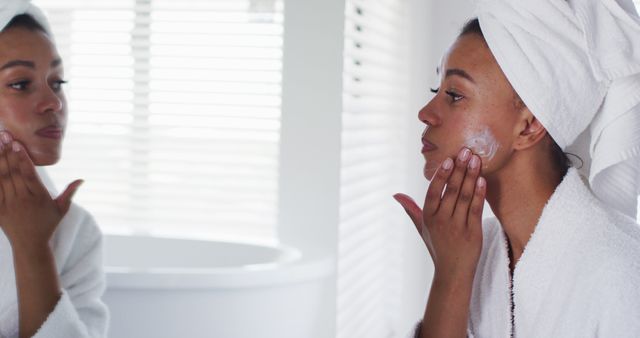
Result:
[52,132]
[427,146]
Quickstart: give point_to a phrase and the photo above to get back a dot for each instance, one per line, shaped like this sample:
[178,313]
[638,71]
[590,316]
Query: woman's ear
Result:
[530,131]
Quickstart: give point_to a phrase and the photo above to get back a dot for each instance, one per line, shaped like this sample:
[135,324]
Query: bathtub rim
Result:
[293,268]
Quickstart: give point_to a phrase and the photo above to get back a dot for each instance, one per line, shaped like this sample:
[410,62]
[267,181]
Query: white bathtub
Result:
[178,288]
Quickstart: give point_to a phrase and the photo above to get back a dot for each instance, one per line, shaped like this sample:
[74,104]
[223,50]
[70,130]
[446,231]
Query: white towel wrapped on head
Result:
[11,8]
[576,65]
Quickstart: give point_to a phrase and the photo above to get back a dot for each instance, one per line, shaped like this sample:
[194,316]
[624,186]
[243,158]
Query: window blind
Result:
[637,2]
[174,113]
[375,87]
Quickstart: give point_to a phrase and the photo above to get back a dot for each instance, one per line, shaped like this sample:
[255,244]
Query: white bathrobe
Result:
[579,275]
[77,247]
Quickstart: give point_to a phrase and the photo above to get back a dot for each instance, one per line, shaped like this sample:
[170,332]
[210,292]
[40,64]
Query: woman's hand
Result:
[450,224]
[28,214]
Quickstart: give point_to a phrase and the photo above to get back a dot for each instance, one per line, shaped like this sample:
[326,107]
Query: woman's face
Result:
[475,107]
[32,104]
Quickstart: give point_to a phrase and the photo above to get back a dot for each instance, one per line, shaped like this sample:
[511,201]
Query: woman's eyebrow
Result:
[29,64]
[459,72]
[16,63]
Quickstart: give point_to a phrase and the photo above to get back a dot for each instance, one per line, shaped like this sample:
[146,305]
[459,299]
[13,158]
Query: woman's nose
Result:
[428,115]
[51,102]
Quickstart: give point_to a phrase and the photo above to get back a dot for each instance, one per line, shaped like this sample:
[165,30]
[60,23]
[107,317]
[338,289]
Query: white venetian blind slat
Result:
[374,90]
[174,113]
[637,3]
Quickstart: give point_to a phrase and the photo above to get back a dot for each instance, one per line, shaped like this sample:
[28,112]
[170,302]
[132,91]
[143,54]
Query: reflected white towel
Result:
[11,8]
[576,65]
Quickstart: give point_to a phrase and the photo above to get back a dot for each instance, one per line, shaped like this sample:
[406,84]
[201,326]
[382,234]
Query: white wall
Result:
[309,187]
[311,125]
[449,17]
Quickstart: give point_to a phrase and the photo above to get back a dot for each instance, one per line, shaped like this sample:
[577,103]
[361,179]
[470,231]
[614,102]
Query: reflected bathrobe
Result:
[579,275]
[77,248]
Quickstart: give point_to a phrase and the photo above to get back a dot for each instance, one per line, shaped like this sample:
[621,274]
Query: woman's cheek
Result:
[483,143]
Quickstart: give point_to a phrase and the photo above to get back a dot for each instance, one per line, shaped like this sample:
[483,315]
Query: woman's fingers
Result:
[416,215]
[454,185]
[474,220]
[13,159]
[64,200]
[1,189]
[6,181]
[29,174]
[412,209]
[434,193]
[461,209]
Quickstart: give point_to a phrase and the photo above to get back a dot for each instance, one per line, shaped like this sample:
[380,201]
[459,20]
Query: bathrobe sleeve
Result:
[80,313]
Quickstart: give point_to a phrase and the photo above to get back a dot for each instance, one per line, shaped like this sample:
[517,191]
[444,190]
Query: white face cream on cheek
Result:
[482,143]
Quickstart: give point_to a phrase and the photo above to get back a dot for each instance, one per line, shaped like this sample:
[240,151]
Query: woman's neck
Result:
[517,194]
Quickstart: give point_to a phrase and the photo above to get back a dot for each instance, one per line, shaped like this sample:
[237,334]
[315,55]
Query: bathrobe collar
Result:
[558,228]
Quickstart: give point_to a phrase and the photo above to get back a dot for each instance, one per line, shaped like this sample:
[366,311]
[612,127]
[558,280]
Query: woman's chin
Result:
[429,171]
[44,159]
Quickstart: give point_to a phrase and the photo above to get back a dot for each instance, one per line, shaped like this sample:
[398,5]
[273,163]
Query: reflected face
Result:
[32,104]
[474,107]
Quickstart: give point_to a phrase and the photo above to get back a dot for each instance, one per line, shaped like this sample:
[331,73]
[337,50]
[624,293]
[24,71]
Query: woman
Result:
[51,278]
[519,85]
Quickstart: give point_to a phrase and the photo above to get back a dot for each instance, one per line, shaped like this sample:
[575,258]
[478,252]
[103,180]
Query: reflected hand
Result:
[28,214]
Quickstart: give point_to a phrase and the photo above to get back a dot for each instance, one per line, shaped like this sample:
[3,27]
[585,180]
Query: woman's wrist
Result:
[447,309]
[32,252]
[37,284]
[454,279]
[452,289]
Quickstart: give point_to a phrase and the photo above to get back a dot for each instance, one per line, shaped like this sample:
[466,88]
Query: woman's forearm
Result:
[38,286]
[447,311]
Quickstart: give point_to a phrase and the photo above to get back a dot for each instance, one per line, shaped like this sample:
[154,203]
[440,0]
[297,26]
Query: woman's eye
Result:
[57,85]
[454,96]
[20,85]
[435,90]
